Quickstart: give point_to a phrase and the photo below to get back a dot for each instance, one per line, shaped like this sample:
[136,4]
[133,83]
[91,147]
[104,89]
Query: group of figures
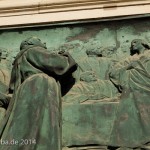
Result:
[41,80]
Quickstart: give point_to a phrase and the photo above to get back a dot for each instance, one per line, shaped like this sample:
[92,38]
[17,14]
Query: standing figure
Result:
[33,118]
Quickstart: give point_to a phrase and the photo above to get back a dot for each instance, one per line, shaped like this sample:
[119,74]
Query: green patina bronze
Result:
[34,78]
[89,90]
[121,120]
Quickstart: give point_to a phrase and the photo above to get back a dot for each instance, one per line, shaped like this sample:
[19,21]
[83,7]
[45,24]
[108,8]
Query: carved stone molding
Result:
[42,12]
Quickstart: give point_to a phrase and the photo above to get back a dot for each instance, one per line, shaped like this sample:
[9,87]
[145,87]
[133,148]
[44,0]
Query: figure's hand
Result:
[70,59]
[133,64]
[88,76]
[64,53]
[4,100]
[61,52]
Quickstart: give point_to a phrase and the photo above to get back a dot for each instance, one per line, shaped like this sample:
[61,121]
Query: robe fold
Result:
[33,117]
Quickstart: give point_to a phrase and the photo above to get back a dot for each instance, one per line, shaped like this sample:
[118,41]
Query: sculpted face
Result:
[108,51]
[32,41]
[136,45]
[37,42]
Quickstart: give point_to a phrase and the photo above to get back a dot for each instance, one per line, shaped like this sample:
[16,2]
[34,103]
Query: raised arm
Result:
[51,62]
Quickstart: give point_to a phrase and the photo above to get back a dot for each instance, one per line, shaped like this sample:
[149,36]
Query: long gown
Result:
[33,118]
[132,124]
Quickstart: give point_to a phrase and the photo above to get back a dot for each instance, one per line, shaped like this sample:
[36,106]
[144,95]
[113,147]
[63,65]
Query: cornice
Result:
[20,13]
[17,7]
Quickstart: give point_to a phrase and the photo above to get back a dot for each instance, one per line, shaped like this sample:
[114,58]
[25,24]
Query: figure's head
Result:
[109,51]
[3,53]
[93,48]
[88,76]
[93,53]
[138,46]
[32,41]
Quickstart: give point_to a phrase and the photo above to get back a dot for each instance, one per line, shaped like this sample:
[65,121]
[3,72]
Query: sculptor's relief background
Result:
[79,37]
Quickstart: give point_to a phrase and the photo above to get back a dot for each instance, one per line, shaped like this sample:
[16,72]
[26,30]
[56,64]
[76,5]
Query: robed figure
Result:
[33,117]
[132,77]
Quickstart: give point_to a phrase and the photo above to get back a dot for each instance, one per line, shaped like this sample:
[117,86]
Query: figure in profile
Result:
[133,71]
[132,77]
[35,108]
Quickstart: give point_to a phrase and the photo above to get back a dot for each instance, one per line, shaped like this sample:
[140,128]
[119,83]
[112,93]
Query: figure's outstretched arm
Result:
[52,62]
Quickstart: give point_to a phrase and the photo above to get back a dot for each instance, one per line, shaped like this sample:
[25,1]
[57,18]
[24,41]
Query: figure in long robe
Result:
[132,77]
[33,118]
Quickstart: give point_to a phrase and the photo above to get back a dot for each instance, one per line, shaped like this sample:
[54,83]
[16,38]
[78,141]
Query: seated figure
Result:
[92,80]
[133,72]
[90,87]
[126,123]
[132,77]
